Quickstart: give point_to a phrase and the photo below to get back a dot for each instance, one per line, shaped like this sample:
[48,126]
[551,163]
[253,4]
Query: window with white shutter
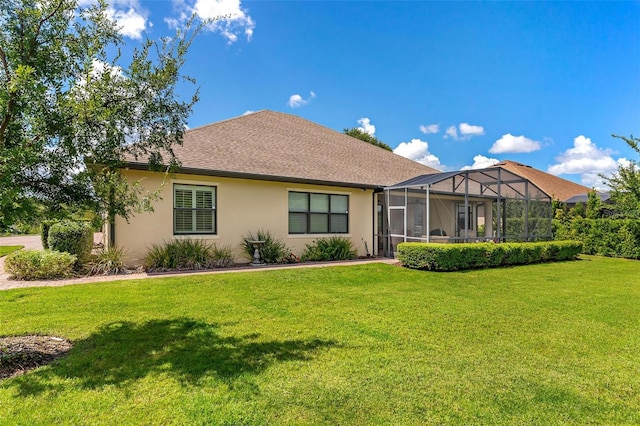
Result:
[194,209]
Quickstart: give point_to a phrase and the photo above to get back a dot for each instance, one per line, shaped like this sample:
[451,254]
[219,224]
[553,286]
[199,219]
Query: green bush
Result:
[221,257]
[40,265]
[453,257]
[44,232]
[326,249]
[72,237]
[603,237]
[272,251]
[187,254]
[108,262]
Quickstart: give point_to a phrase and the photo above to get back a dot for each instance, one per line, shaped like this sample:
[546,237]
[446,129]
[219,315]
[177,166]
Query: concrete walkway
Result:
[33,242]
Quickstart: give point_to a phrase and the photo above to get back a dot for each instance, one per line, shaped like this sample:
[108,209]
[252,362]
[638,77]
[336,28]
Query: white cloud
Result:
[587,160]
[481,162]
[467,131]
[132,20]
[296,101]
[226,17]
[429,128]
[418,150]
[514,144]
[451,132]
[366,126]
[247,112]
[129,16]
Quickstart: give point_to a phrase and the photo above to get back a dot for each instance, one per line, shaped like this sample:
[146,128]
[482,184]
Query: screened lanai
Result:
[491,204]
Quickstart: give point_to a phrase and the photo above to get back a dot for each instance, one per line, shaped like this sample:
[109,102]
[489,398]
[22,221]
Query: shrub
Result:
[44,232]
[221,257]
[603,237]
[187,254]
[40,265]
[272,251]
[109,261]
[72,237]
[452,257]
[326,249]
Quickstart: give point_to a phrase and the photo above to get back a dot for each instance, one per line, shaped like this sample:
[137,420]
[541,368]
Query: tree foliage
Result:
[72,109]
[625,183]
[359,134]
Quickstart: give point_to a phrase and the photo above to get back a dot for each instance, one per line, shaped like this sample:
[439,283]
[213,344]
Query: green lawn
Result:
[5,250]
[368,344]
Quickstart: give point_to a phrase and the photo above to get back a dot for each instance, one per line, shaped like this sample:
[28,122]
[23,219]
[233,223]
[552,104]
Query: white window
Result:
[194,209]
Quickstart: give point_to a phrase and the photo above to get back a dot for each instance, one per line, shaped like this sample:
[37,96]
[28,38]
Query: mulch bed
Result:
[20,354]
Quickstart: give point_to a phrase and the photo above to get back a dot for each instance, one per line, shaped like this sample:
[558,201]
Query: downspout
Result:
[466,207]
[428,216]
[404,225]
[499,208]
[526,210]
[111,218]
[388,247]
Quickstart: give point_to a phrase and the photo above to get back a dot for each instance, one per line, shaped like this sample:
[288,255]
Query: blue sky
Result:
[449,84]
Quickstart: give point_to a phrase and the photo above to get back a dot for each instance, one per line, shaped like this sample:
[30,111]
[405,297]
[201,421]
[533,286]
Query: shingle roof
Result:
[556,187]
[278,146]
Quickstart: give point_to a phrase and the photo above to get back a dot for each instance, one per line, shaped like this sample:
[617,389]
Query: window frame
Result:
[213,189]
[309,212]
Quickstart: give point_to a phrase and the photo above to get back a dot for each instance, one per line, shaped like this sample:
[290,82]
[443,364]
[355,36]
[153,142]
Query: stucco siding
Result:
[242,206]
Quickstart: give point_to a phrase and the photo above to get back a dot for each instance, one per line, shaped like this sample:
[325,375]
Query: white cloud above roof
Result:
[227,17]
[514,144]
[464,131]
[418,150]
[366,126]
[297,101]
[429,128]
[587,160]
[481,162]
[467,129]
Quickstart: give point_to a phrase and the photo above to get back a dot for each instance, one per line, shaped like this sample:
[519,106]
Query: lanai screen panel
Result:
[521,211]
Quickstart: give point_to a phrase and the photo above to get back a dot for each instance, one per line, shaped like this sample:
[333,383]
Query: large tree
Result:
[359,134]
[72,107]
[625,183]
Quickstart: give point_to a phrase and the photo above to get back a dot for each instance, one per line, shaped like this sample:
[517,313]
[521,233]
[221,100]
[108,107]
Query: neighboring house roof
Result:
[604,197]
[277,146]
[556,187]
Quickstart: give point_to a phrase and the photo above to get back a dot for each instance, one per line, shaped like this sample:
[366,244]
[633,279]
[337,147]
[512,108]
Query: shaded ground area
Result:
[19,354]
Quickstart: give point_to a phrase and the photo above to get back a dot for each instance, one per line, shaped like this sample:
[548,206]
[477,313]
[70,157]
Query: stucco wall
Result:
[242,206]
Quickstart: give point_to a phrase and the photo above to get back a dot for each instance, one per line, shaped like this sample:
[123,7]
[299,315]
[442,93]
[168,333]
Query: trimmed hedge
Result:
[39,265]
[453,257]
[603,237]
[72,237]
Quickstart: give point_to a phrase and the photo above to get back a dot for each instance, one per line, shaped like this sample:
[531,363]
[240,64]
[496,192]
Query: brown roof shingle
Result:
[277,146]
[556,187]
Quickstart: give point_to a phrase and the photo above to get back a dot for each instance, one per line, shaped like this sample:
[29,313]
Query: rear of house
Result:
[264,171]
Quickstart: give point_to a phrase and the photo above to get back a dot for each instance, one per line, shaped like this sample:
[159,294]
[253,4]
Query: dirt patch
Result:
[20,354]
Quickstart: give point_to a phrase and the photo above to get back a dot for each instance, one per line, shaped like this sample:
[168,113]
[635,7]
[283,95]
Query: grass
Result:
[368,344]
[5,250]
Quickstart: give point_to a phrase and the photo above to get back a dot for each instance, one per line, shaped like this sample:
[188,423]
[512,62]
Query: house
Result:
[301,181]
[265,171]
